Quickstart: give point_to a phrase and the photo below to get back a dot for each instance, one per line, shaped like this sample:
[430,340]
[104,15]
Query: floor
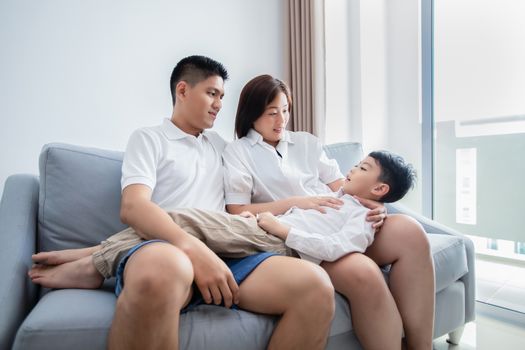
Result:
[487,333]
[500,284]
[500,309]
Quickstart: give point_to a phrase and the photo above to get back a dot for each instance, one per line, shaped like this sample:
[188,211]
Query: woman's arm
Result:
[281,206]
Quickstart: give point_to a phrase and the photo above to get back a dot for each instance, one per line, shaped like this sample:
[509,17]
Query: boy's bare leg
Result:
[158,279]
[402,242]
[58,257]
[299,291]
[375,317]
[80,273]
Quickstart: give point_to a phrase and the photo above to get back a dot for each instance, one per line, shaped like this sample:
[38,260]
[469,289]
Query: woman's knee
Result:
[409,232]
[357,272]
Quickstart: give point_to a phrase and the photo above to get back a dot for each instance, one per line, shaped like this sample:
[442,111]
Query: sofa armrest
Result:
[18,228]
[433,227]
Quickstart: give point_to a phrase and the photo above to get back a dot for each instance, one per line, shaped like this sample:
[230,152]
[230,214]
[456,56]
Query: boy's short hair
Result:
[399,175]
[194,69]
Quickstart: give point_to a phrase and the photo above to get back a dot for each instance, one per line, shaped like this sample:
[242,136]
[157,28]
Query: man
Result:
[165,167]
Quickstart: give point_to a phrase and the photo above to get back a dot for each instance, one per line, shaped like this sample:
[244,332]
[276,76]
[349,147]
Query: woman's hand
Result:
[268,222]
[317,202]
[377,213]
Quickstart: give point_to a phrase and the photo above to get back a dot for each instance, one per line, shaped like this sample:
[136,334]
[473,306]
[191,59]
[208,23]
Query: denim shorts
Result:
[240,269]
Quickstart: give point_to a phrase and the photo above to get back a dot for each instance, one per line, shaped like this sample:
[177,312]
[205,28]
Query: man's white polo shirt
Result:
[256,172]
[182,170]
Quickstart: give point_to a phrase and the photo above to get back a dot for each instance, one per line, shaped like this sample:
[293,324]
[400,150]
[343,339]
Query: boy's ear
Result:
[381,189]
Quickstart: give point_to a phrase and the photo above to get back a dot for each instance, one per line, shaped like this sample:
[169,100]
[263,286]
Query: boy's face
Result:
[202,103]
[362,180]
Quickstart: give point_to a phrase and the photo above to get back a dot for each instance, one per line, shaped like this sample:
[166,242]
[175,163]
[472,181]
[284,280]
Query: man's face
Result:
[202,103]
[362,179]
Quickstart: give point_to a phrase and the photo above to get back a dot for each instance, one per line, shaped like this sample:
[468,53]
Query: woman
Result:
[270,169]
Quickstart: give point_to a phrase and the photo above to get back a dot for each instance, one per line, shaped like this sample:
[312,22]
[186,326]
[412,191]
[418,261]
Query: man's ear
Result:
[381,189]
[181,89]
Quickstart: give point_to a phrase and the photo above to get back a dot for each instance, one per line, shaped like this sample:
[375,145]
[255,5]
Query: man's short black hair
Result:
[194,69]
[399,175]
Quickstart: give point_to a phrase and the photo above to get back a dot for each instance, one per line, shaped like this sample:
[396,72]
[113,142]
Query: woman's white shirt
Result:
[256,172]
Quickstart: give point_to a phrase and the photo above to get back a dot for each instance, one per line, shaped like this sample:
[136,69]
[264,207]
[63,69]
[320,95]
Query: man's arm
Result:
[213,278]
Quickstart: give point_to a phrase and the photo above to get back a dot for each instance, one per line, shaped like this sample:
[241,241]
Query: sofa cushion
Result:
[79,200]
[80,319]
[450,259]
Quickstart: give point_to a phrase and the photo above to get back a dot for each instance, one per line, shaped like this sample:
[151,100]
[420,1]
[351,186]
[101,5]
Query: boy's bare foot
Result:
[80,273]
[58,257]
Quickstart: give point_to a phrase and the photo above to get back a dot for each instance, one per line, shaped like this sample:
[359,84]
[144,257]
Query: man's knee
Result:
[317,289]
[158,271]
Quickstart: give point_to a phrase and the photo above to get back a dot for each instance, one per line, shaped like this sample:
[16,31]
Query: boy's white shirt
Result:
[182,170]
[327,237]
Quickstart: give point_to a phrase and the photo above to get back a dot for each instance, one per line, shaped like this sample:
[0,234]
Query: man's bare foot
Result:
[80,273]
[58,257]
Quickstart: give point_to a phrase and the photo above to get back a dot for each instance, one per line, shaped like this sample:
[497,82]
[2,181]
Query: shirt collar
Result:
[254,137]
[173,132]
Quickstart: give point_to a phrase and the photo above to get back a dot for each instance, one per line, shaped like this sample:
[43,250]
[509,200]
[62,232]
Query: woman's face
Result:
[272,123]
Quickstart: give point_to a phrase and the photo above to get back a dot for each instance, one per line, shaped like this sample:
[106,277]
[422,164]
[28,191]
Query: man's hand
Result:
[268,222]
[317,202]
[377,213]
[212,276]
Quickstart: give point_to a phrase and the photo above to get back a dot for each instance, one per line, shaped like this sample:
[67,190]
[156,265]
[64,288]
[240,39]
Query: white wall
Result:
[90,72]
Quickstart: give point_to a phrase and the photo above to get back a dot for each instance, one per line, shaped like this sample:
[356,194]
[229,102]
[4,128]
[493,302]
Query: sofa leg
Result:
[455,336]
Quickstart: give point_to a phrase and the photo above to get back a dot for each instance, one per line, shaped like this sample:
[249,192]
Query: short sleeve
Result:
[238,182]
[328,168]
[140,160]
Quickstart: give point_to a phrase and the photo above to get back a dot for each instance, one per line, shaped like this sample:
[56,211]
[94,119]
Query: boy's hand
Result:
[268,222]
[377,213]
[247,214]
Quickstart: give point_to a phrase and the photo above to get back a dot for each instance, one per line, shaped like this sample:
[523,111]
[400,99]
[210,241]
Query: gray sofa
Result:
[75,203]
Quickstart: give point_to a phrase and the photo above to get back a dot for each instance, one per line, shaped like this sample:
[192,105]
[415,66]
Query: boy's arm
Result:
[152,222]
[268,222]
[355,236]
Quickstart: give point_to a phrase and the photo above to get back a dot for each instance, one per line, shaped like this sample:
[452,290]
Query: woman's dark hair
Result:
[194,69]
[399,175]
[255,96]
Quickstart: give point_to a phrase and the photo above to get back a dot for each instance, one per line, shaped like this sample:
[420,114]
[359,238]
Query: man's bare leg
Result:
[299,291]
[158,279]
[402,242]
[80,273]
[375,317]
[58,257]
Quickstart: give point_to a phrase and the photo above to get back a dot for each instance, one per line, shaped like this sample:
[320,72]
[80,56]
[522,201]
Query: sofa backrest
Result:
[79,201]
[347,154]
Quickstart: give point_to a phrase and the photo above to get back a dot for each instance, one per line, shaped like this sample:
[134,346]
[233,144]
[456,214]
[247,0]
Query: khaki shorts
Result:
[229,236]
